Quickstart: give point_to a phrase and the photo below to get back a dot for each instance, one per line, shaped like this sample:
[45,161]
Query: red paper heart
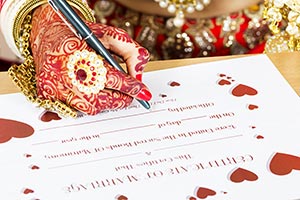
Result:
[14,129]
[202,192]
[174,84]
[283,164]
[34,167]
[27,155]
[240,175]
[122,197]
[241,90]
[49,116]
[252,107]
[224,82]
[260,137]
[192,198]
[28,191]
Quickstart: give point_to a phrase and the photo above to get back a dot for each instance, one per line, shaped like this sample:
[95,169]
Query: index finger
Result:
[127,84]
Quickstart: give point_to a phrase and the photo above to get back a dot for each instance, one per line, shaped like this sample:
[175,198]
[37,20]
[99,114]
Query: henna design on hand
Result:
[52,43]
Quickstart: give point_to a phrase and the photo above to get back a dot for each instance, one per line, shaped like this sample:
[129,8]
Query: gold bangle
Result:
[30,5]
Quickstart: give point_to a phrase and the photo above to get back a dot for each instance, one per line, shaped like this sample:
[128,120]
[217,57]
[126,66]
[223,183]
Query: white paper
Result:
[200,140]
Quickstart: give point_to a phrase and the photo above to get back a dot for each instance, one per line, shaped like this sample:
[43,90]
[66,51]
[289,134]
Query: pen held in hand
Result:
[78,26]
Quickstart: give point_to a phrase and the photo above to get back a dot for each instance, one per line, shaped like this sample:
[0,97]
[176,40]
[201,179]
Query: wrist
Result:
[14,13]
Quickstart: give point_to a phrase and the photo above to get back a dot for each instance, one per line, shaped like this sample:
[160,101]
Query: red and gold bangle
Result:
[29,5]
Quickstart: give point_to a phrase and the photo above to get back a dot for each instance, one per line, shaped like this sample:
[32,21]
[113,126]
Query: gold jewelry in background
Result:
[180,7]
[196,39]
[284,21]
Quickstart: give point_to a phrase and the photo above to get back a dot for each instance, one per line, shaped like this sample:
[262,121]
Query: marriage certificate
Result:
[221,130]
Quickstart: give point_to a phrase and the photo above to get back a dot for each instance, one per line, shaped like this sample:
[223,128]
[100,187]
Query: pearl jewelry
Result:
[181,6]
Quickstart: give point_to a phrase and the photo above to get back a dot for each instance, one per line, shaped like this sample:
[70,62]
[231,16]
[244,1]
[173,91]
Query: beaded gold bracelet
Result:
[23,75]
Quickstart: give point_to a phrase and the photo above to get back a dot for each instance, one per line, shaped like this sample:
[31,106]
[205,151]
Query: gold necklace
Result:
[180,7]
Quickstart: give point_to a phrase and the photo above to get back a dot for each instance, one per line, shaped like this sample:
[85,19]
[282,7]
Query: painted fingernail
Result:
[139,77]
[144,94]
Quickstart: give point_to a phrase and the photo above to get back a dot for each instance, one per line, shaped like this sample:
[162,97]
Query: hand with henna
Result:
[67,69]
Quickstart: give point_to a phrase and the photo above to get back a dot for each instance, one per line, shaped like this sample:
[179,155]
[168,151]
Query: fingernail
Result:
[139,77]
[144,94]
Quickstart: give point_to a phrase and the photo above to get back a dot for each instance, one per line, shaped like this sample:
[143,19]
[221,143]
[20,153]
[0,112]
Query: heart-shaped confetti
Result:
[14,129]
[122,197]
[240,175]
[203,192]
[28,191]
[49,116]
[242,90]
[260,137]
[174,84]
[224,82]
[27,155]
[252,107]
[34,167]
[283,164]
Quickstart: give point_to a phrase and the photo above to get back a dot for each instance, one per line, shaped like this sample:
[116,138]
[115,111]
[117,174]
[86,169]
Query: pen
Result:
[82,31]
